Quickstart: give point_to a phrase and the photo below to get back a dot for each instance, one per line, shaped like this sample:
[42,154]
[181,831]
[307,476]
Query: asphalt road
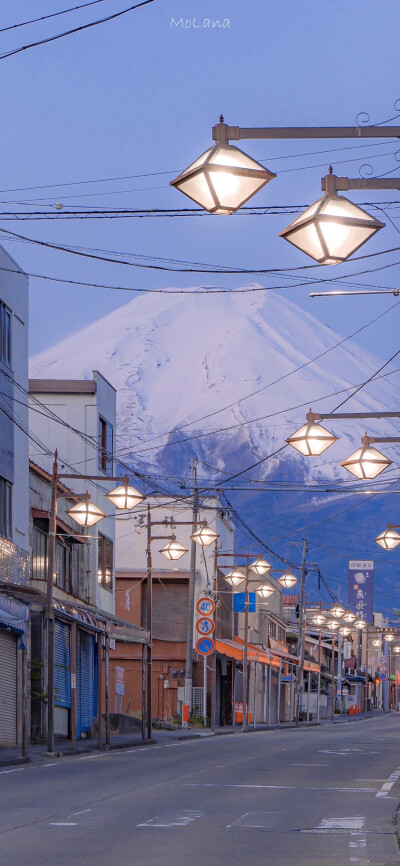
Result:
[304,797]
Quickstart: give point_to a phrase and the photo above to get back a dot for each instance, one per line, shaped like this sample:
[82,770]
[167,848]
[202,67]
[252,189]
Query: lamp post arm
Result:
[321,416]
[222,133]
[383,439]
[330,183]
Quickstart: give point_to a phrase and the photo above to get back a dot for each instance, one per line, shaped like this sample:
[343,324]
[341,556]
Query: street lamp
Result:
[331,229]
[204,535]
[360,624]
[222,179]
[235,577]
[264,591]
[287,580]
[345,631]
[366,463]
[311,439]
[259,566]
[389,539]
[319,619]
[173,550]
[349,616]
[332,624]
[376,643]
[337,611]
[125,496]
[396,649]
[389,637]
[85,512]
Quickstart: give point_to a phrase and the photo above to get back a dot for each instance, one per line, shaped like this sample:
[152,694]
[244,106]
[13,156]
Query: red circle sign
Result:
[205,625]
[205,605]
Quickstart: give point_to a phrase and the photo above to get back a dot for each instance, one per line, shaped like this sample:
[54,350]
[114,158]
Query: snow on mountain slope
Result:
[176,358]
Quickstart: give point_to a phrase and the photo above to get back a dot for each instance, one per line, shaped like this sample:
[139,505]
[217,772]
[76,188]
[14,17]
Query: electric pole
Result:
[192,578]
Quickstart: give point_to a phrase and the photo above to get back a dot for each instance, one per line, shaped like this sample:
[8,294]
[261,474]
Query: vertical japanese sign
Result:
[361,588]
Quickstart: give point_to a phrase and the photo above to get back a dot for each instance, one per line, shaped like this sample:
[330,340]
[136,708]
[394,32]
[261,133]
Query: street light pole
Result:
[149,625]
[245,648]
[49,608]
[300,642]
[192,581]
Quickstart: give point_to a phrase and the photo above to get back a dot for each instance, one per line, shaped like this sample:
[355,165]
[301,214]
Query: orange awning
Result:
[311,666]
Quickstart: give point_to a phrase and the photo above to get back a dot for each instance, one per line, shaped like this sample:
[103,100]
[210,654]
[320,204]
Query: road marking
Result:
[346,752]
[310,765]
[63,824]
[257,820]
[389,784]
[50,765]
[74,814]
[282,787]
[353,825]
[6,772]
[168,819]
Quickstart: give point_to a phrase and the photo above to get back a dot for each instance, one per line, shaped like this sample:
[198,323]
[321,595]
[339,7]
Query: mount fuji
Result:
[226,379]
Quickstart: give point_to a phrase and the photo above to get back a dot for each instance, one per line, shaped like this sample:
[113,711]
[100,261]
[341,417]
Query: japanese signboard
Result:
[361,588]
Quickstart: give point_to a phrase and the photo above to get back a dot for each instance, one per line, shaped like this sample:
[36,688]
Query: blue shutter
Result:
[86,670]
[62,664]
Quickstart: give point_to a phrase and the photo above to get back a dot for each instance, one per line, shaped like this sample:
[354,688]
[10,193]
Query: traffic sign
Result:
[205,625]
[205,605]
[205,646]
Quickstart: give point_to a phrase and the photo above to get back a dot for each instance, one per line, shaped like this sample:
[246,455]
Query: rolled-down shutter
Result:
[62,664]
[86,669]
[8,688]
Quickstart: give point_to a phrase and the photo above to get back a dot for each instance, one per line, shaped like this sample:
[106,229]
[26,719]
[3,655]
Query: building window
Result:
[63,567]
[281,634]
[5,334]
[39,554]
[272,628]
[105,562]
[5,508]
[106,445]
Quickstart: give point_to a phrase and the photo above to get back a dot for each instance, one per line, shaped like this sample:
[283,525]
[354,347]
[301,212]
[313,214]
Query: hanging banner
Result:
[361,588]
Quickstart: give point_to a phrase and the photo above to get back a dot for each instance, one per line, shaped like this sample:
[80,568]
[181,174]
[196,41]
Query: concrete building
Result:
[14,510]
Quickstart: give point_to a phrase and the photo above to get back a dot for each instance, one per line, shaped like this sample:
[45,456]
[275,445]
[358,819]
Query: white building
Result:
[79,421]
[14,490]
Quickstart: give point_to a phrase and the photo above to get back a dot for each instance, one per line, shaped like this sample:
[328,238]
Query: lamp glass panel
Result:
[345,631]
[173,550]
[337,611]
[332,624]
[201,159]
[233,189]
[341,239]
[389,539]
[360,623]
[204,536]
[307,214]
[349,616]
[234,577]
[318,620]
[260,566]
[232,156]
[86,513]
[337,205]
[197,188]
[306,239]
[265,591]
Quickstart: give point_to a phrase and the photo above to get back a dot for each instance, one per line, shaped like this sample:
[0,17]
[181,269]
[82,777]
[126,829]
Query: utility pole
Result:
[49,608]
[149,624]
[300,642]
[192,579]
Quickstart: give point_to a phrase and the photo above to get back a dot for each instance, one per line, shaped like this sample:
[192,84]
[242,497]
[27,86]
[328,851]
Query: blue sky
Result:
[137,96]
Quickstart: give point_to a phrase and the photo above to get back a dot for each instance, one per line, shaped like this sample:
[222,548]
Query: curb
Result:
[396,821]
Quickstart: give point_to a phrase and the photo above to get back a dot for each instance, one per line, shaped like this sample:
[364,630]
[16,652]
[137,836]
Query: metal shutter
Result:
[8,688]
[86,670]
[62,664]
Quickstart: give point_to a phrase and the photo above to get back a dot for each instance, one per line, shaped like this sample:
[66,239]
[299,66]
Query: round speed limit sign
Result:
[205,606]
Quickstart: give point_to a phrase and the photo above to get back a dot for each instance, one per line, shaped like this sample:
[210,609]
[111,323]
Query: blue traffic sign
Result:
[205,646]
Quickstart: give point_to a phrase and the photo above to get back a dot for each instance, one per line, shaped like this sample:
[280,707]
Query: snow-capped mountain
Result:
[179,360]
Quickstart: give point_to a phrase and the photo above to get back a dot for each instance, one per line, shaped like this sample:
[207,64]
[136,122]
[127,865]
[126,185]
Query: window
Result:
[105,562]
[281,634]
[5,508]
[5,334]
[39,554]
[106,445]
[272,628]
[63,568]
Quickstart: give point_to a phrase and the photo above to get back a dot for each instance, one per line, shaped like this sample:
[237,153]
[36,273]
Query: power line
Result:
[51,15]
[79,29]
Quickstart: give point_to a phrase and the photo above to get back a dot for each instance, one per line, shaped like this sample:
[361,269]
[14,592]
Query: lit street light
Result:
[173,550]
[287,580]
[311,439]
[204,535]
[235,577]
[337,611]
[264,591]
[85,512]
[349,616]
[366,463]
[389,539]
[259,566]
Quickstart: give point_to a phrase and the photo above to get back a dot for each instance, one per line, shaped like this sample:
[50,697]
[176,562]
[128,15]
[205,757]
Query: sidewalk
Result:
[37,753]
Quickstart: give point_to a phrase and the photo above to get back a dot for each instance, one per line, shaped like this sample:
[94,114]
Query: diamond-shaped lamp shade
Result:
[265,590]
[396,649]
[222,179]
[287,580]
[260,566]
[367,462]
[311,439]
[389,637]
[337,611]
[204,535]
[360,624]
[235,577]
[376,643]
[125,496]
[319,619]
[173,550]
[349,616]
[332,624]
[345,631]
[389,539]
[86,513]
[331,229]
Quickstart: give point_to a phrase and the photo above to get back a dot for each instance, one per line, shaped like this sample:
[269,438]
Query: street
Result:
[317,795]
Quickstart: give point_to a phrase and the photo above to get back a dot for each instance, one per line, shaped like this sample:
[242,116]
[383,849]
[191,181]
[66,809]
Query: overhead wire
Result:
[50,15]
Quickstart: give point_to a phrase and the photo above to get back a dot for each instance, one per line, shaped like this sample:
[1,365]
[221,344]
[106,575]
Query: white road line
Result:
[353,825]
[50,765]
[17,770]
[179,819]
[282,787]
[386,787]
[309,765]
[63,824]
[74,814]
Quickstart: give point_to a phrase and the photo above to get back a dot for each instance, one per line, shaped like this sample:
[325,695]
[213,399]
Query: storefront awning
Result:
[101,621]
[311,666]
[13,614]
